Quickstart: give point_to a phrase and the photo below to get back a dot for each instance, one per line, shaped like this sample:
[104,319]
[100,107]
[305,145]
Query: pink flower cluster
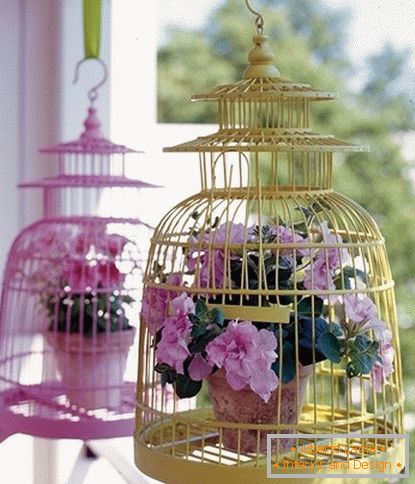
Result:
[382,370]
[287,236]
[246,354]
[319,276]
[94,265]
[100,243]
[88,258]
[155,303]
[209,264]
[82,275]
[362,316]
[172,347]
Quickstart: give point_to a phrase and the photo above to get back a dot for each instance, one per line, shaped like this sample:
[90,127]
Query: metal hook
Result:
[93,92]
[259,21]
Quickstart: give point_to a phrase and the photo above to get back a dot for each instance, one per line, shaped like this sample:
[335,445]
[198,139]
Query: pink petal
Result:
[199,368]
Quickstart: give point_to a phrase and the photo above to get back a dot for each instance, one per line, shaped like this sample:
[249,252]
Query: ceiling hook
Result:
[93,92]
[259,21]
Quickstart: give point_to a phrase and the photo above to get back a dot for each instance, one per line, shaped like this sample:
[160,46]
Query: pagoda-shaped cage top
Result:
[267,244]
[71,294]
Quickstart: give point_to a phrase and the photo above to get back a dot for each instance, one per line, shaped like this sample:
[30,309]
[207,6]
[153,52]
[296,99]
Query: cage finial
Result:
[92,125]
[261,60]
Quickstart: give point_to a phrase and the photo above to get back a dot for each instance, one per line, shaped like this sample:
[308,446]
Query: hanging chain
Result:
[259,21]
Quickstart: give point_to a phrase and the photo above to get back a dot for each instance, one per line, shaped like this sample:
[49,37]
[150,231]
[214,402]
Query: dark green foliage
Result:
[309,306]
[108,309]
[331,347]
[185,387]
[308,353]
[363,355]
[288,363]
[207,324]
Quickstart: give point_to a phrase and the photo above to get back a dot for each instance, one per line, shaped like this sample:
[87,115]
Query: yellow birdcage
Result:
[268,306]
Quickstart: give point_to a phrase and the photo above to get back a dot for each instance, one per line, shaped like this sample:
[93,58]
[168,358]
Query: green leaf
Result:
[162,367]
[168,374]
[351,371]
[288,363]
[201,309]
[363,345]
[352,273]
[330,346]
[305,306]
[336,330]
[218,317]
[193,318]
[128,299]
[198,345]
[198,331]
[186,387]
[364,363]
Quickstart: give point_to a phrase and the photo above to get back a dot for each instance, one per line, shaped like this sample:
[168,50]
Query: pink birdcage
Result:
[70,298]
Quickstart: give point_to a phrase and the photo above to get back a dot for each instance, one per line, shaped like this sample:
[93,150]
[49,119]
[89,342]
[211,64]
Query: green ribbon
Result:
[92,28]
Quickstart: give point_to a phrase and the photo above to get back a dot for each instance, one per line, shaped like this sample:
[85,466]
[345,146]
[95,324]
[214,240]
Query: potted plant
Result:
[88,328]
[253,368]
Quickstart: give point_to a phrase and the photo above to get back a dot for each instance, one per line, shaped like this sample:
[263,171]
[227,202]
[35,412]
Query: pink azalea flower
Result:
[246,354]
[212,270]
[318,276]
[229,232]
[362,314]
[264,383]
[50,246]
[54,241]
[379,328]
[113,244]
[88,238]
[287,236]
[335,257]
[359,309]
[264,380]
[103,243]
[199,368]
[325,263]
[382,370]
[153,308]
[155,302]
[82,243]
[81,275]
[183,304]
[108,275]
[172,347]
[209,264]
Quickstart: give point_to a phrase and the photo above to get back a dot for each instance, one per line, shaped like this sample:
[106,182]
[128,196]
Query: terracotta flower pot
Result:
[92,371]
[245,406]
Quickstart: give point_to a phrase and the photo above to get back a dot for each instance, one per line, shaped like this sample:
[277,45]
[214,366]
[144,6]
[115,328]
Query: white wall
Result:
[10,142]
[40,41]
